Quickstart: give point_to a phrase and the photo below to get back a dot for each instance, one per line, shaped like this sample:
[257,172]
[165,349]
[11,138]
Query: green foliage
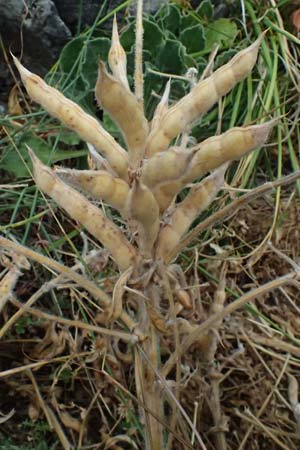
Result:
[24,323]
[35,432]
[15,159]
[8,445]
[83,54]
[174,40]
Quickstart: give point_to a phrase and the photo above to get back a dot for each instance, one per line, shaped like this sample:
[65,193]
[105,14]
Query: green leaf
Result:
[127,38]
[193,38]
[205,10]
[96,49]
[70,54]
[188,21]
[170,18]
[201,65]
[224,58]
[111,127]
[79,61]
[222,32]
[68,137]
[13,161]
[171,58]
[153,37]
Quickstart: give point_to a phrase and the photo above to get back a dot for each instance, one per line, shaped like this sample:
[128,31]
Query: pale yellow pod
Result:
[165,167]
[99,183]
[198,199]
[87,214]
[161,108]
[228,146]
[212,153]
[73,117]
[143,208]
[124,109]
[7,285]
[166,193]
[117,58]
[201,98]
[97,162]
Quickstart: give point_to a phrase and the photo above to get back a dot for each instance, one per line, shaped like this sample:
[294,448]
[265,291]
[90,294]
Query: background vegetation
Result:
[264,346]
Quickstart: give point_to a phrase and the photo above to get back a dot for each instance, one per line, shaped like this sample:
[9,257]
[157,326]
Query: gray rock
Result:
[84,12]
[38,29]
[35,29]
[38,22]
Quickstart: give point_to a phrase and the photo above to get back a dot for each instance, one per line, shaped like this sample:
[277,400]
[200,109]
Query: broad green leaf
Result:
[189,21]
[12,160]
[112,128]
[71,53]
[170,18]
[152,41]
[96,49]
[193,38]
[79,61]
[224,57]
[221,31]
[68,137]
[171,58]
[205,10]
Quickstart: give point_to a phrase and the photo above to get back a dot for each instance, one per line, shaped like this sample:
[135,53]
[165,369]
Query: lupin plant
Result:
[143,183]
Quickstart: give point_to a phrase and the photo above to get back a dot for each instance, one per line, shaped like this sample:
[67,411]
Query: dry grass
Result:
[234,384]
[203,353]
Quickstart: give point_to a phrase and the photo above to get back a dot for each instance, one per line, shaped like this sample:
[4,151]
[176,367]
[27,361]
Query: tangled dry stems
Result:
[171,346]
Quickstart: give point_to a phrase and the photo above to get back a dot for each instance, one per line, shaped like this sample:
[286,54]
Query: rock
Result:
[72,13]
[33,29]
[37,30]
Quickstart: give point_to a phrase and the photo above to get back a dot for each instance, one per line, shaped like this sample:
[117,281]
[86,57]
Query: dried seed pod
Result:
[202,97]
[124,109]
[73,117]
[165,167]
[99,183]
[184,299]
[157,319]
[197,200]
[228,146]
[116,307]
[80,209]
[117,58]
[293,391]
[143,208]
[165,193]
[161,108]
[71,423]
[212,153]
[97,162]
[7,285]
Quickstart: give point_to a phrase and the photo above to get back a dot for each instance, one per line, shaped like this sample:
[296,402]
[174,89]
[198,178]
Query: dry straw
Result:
[142,184]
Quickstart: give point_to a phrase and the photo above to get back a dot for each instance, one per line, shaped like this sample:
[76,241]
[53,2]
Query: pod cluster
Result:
[142,181]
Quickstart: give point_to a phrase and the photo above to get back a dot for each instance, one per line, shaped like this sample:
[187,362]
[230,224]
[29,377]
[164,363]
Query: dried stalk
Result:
[290,278]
